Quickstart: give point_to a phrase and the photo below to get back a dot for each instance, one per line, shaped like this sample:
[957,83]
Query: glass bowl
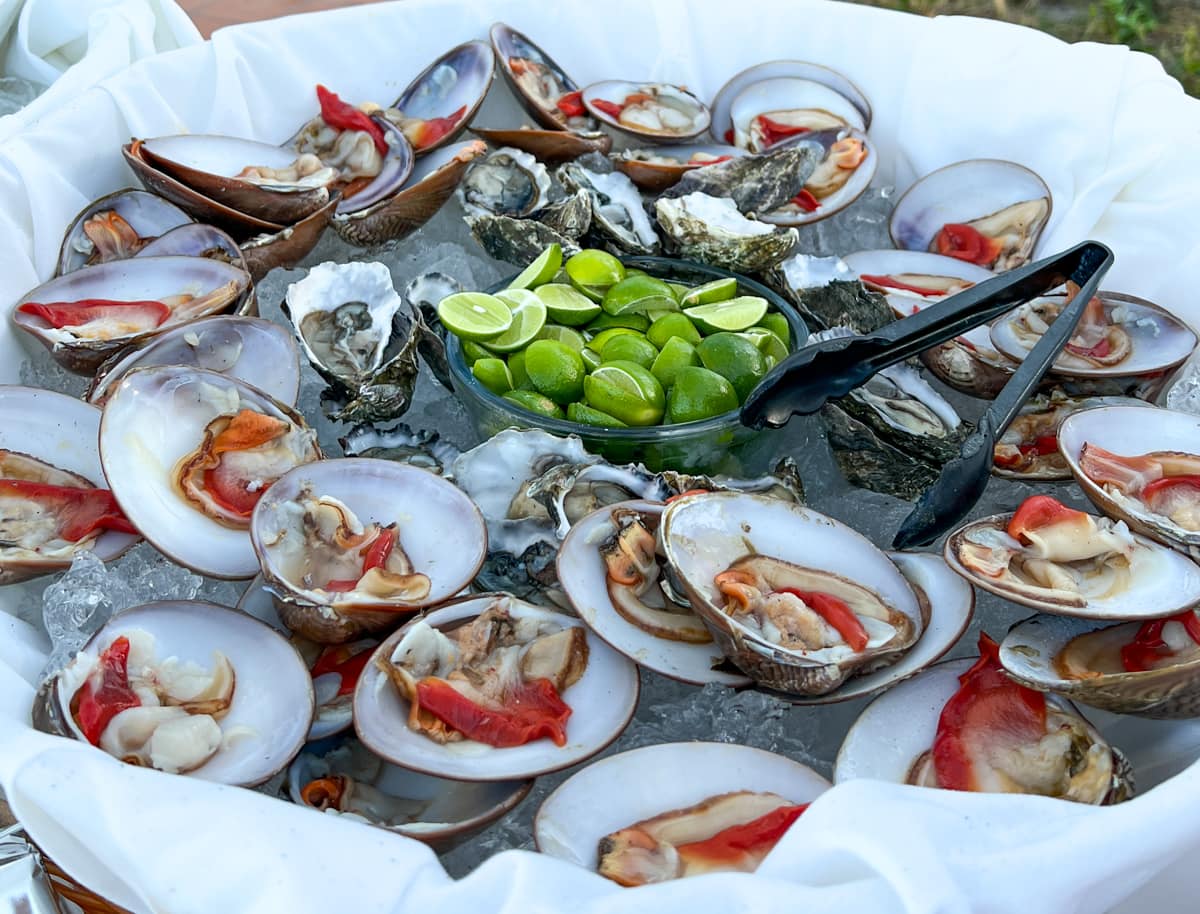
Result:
[720,444]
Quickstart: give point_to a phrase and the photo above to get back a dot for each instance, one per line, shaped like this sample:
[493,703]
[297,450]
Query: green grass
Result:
[1168,29]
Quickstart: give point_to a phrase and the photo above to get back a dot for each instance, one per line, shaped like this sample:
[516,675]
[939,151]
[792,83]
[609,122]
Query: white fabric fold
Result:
[1109,131]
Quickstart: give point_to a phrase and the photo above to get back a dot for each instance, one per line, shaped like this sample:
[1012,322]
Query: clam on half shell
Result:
[630,787]
[704,535]
[123,222]
[272,701]
[438,529]
[602,703]
[59,431]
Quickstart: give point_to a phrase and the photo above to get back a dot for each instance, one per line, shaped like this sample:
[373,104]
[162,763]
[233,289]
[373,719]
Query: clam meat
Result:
[1163,483]
[161,714]
[1132,648]
[1098,342]
[656,110]
[772,111]
[998,241]
[1029,449]
[997,736]
[540,84]
[496,680]
[731,832]
[116,227]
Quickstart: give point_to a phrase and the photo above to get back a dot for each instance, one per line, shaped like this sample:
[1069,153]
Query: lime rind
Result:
[475,316]
[543,269]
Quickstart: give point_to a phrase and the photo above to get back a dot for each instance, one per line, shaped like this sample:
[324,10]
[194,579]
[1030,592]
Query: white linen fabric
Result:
[1111,133]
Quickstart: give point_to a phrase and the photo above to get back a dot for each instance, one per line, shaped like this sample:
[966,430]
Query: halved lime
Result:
[699,394]
[711,292]
[631,348]
[672,325]
[585,415]
[535,403]
[592,271]
[565,335]
[625,390]
[676,354]
[734,358]
[638,294]
[528,318]
[777,324]
[493,374]
[474,315]
[543,269]
[733,315]
[600,340]
[602,321]
[567,305]
[555,369]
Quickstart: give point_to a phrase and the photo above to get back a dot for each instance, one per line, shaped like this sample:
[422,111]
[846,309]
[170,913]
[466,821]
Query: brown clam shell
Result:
[549,146]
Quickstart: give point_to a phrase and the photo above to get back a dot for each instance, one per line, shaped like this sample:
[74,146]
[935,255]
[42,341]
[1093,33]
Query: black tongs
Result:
[803,383]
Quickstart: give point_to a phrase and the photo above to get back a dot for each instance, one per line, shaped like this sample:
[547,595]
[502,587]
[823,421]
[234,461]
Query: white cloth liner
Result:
[1111,133]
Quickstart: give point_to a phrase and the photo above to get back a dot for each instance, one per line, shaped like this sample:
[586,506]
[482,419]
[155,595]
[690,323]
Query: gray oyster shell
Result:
[571,216]
[423,293]
[507,182]
[840,303]
[517,241]
[402,444]
[712,231]
[756,183]
[618,213]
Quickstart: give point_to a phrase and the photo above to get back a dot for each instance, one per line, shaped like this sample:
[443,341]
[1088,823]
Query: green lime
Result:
[528,318]
[777,324]
[699,394]
[543,269]
[567,305]
[676,354]
[592,271]
[670,325]
[711,292]
[535,403]
[638,294]
[634,271]
[735,314]
[565,335]
[516,368]
[627,391]
[585,415]
[474,315]
[473,352]
[679,290]
[555,369]
[771,346]
[629,348]
[602,321]
[591,359]
[600,340]
[655,313]
[734,358]
[493,374]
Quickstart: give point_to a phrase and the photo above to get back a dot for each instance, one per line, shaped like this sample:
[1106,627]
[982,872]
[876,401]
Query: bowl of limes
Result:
[647,359]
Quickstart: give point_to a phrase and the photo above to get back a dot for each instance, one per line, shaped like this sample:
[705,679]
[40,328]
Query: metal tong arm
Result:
[964,478]
[802,383]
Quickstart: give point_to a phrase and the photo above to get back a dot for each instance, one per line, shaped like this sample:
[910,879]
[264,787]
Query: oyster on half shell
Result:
[712,230]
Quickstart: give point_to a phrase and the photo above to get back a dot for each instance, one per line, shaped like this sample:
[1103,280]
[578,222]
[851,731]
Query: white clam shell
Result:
[616,90]
[1131,431]
[854,188]
[602,704]
[440,528]
[583,574]
[1160,341]
[1163,581]
[61,431]
[786,93]
[153,418]
[722,120]
[272,706]
[960,193]
[623,789]
[257,351]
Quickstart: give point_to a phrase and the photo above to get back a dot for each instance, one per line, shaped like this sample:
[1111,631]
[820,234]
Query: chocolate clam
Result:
[540,84]
[116,226]
[357,545]
[54,501]
[441,100]
[840,178]
[796,600]
[550,146]
[772,111]
[189,452]
[1151,669]
[655,169]
[660,112]
[185,687]
[985,211]
[85,317]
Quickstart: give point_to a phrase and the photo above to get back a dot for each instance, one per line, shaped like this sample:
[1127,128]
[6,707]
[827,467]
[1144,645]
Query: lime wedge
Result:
[573,339]
[735,358]
[710,293]
[592,271]
[493,374]
[591,359]
[535,403]
[585,415]
[555,370]
[772,347]
[733,315]
[473,352]
[600,340]
[474,315]
[528,317]
[566,305]
[602,321]
[627,391]
[543,269]
[699,394]
[672,325]
[777,324]
[516,368]
[676,354]
[630,348]
[638,294]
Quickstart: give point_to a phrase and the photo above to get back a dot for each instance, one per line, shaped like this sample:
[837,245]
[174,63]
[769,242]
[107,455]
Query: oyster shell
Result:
[506,182]
[757,184]
[239,726]
[711,230]
[424,449]
[1052,558]
[653,170]
[116,227]
[617,211]
[517,241]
